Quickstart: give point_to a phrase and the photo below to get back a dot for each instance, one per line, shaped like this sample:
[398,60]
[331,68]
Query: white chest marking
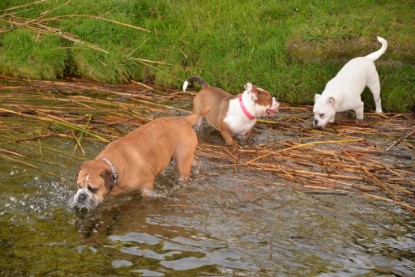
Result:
[237,121]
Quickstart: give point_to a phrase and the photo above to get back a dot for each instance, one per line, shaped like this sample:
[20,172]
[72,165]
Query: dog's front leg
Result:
[359,111]
[147,190]
[247,137]
[248,134]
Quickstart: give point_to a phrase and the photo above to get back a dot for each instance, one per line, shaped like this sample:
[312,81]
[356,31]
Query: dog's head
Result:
[264,104]
[323,110]
[94,182]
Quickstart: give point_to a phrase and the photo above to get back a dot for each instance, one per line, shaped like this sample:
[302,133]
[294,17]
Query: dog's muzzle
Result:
[316,123]
[84,199]
[273,109]
[271,112]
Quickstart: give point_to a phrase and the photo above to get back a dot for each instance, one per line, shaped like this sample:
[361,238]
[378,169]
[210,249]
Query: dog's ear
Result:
[331,100]
[316,96]
[252,91]
[249,87]
[80,167]
[108,179]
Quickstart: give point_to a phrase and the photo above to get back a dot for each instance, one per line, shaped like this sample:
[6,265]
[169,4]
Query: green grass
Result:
[291,48]
[25,55]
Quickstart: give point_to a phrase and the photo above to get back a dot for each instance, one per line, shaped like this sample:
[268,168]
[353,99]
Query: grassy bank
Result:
[291,48]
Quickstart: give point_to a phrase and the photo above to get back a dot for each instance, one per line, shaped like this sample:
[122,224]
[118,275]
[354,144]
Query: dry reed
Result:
[374,157]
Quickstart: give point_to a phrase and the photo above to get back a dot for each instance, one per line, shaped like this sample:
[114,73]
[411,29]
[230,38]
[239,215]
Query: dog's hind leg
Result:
[374,85]
[184,160]
[198,109]
[227,136]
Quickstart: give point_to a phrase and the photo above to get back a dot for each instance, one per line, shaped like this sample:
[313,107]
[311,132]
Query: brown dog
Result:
[132,162]
[232,115]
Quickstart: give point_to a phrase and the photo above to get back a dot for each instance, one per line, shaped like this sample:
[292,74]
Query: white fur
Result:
[91,199]
[342,93]
[236,119]
[185,84]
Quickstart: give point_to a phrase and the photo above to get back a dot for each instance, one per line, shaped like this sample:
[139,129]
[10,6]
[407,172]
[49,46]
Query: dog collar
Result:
[241,103]
[114,172]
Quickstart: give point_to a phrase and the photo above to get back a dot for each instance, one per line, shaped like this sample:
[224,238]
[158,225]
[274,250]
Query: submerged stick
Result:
[28,164]
[409,208]
[60,123]
[78,140]
[401,139]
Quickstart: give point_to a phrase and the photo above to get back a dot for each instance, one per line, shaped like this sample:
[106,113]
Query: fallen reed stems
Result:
[348,165]
[58,121]
[401,139]
[342,158]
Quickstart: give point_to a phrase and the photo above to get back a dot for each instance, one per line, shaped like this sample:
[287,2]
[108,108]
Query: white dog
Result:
[342,93]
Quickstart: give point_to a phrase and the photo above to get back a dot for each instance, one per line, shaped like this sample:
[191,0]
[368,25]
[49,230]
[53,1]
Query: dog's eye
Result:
[322,115]
[91,189]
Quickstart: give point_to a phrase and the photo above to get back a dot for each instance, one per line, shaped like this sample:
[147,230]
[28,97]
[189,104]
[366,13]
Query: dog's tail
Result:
[192,79]
[376,55]
[193,118]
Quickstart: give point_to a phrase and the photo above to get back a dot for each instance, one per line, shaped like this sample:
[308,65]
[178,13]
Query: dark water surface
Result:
[220,223]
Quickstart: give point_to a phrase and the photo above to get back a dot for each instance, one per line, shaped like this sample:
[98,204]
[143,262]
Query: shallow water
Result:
[221,222]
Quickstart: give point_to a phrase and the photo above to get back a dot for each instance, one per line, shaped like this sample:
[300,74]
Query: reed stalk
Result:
[340,159]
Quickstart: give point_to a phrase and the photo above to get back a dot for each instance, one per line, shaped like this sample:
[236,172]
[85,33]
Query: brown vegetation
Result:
[373,158]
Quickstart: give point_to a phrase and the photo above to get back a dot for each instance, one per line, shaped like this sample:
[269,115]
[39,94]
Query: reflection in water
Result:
[271,230]
[183,253]
[162,233]
[215,225]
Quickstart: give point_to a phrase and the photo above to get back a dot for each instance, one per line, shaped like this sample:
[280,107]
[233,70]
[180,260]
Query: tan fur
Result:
[142,155]
[218,101]
[215,98]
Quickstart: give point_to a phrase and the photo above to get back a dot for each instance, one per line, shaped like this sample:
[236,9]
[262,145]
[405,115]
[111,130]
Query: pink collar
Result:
[241,103]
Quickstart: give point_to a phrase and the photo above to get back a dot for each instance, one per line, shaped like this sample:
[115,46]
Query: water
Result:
[222,222]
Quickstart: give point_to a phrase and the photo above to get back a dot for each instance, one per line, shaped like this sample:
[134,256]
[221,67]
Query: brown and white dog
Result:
[232,115]
[132,162]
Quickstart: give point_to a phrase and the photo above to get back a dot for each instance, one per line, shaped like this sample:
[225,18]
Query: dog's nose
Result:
[82,198]
[315,122]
